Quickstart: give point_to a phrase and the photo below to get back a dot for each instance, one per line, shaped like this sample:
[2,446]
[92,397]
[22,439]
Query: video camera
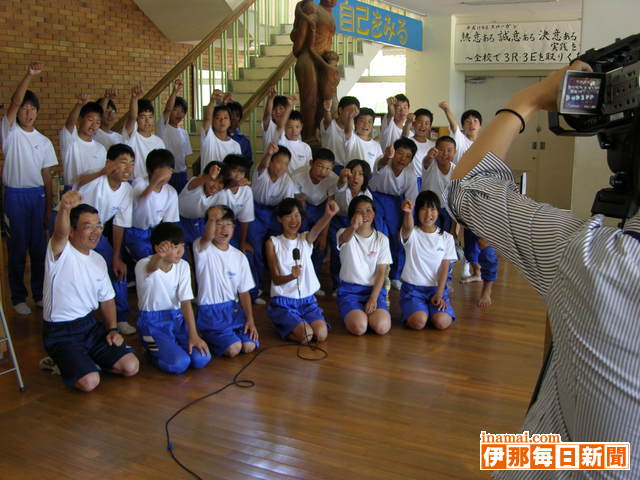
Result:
[606,102]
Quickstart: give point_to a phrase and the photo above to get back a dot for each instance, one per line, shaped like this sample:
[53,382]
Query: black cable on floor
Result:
[240,384]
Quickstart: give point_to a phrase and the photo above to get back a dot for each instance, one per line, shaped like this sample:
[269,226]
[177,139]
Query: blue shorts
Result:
[418,299]
[192,228]
[138,242]
[165,337]
[79,347]
[354,297]
[221,325]
[287,313]
[471,247]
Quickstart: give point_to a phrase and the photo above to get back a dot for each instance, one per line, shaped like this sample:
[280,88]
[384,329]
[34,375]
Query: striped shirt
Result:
[589,277]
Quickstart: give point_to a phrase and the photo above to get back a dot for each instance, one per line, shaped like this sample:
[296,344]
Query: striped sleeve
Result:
[529,234]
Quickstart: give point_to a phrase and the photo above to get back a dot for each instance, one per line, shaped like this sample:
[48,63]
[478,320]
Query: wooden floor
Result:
[409,405]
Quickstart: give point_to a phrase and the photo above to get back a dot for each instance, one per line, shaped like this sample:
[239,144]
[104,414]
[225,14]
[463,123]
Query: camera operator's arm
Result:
[483,195]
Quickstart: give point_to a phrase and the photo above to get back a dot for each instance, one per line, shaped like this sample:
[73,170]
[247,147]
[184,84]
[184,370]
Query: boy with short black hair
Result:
[361,146]
[236,112]
[225,314]
[28,190]
[166,322]
[105,135]
[176,138]
[138,130]
[316,183]
[420,121]
[274,116]
[471,121]
[332,129]
[109,192]
[393,121]
[154,201]
[300,151]
[392,182]
[76,284]
[81,153]
[215,142]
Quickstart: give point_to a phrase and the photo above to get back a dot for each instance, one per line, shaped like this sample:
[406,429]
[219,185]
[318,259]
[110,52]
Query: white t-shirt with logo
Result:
[141,147]
[212,148]
[315,193]
[360,256]
[221,274]
[25,155]
[240,202]
[194,203]
[177,142]
[424,253]
[160,290]
[270,193]
[359,149]
[74,284]
[300,153]
[307,280]
[156,207]
[116,204]
[78,156]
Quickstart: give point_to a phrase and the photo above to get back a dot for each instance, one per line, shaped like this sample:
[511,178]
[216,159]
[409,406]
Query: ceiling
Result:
[564,8]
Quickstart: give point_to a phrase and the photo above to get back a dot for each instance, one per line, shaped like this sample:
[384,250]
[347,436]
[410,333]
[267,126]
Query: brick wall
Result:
[85,46]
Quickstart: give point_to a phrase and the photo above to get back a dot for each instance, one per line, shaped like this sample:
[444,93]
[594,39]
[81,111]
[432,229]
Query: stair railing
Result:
[217,59]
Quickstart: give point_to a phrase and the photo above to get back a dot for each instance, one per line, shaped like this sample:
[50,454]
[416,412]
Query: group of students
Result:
[377,207]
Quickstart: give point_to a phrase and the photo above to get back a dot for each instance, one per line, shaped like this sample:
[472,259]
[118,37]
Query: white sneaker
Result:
[126,328]
[47,363]
[320,293]
[22,308]
[260,301]
[397,284]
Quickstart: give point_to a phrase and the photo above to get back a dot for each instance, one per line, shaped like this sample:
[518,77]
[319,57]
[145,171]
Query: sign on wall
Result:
[517,43]
[358,19]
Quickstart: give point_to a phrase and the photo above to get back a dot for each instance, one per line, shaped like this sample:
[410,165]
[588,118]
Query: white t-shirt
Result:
[389,132]
[462,144]
[359,149]
[212,148]
[79,157]
[116,204]
[308,280]
[384,181]
[343,198]
[194,203]
[315,193]
[221,274]
[108,139]
[141,147]
[269,135]
[436,181]
[423,149]
[333,139]
[25,155]
[162,290]
[300,153]
[424,253]
[360,256]
[156,207]
[270,193]
[240,202]
[177,142]
[74,284]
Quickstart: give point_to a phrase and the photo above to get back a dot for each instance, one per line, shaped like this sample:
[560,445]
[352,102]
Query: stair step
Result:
[244,86]
[281,39]
[255,73]
[268,62]
[275,50]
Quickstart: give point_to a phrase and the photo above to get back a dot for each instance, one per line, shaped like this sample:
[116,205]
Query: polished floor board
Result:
[409,405]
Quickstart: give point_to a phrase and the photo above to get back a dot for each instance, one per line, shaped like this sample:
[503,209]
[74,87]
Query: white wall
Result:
[602,23]
[431,76]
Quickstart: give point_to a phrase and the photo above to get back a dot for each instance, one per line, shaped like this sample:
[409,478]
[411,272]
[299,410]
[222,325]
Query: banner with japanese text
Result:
[358,19]
[517,43]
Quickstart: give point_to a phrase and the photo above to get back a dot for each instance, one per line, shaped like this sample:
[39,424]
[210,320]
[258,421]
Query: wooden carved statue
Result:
[316,66]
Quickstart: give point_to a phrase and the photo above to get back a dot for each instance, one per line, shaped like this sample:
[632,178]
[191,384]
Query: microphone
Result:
[296,259]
